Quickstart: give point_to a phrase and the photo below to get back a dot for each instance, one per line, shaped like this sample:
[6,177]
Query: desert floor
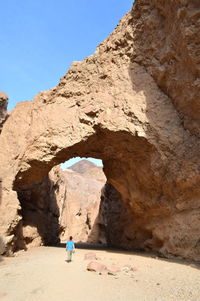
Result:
[42,274]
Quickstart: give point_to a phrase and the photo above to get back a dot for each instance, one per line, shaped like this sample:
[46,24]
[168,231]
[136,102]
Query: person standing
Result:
[70,247]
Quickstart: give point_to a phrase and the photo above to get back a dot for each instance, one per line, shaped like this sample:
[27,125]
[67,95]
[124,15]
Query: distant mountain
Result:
[82,166]
[95,173]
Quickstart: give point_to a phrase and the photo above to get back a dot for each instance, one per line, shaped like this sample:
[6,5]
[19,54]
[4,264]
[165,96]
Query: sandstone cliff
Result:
[133,104]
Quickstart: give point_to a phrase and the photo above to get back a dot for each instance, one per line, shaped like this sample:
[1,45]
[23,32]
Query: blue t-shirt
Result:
[70,245]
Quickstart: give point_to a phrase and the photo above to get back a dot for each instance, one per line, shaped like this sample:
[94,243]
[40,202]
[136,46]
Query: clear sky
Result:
[40,38]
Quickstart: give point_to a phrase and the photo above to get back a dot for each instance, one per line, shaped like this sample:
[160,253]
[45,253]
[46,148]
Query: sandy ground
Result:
[43,274]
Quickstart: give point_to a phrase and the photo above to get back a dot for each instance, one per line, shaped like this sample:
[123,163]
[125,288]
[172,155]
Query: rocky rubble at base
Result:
[107,269]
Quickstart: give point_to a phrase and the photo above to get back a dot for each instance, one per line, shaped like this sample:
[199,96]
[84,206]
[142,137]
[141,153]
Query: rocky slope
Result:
[83,166]
[133,104]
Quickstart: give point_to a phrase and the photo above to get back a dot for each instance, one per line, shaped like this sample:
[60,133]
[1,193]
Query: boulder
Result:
[95,266]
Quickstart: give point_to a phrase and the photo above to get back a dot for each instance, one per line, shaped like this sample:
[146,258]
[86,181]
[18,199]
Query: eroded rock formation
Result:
[167,44]
[3,108]
[133,104]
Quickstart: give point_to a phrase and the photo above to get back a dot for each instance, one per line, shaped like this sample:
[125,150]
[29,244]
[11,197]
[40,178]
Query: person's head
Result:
[70,238]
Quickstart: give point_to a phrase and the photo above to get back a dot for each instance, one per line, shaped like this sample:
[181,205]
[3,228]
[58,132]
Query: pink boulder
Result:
[114,269]
[94,266]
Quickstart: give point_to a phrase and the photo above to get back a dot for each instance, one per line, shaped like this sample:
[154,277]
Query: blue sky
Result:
[40,38]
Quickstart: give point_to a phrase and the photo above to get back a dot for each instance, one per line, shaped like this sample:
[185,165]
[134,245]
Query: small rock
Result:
[125,269]
[128,267]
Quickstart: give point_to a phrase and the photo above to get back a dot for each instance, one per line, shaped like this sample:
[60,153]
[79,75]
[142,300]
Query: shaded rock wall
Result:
[39,213]
[117,219]
[125,105]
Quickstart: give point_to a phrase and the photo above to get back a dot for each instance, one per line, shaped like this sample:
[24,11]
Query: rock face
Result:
[117,218]
[3,108]
[167,44]
[79,205]
[133,104]
[40,215]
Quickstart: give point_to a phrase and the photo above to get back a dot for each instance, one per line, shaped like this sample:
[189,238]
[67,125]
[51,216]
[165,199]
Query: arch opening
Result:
[66,202]
[131,188]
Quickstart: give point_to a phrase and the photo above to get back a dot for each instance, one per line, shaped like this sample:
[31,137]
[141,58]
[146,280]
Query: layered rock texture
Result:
[135,105]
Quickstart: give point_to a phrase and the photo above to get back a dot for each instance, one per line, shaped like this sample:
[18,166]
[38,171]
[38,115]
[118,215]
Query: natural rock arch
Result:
[110,107]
